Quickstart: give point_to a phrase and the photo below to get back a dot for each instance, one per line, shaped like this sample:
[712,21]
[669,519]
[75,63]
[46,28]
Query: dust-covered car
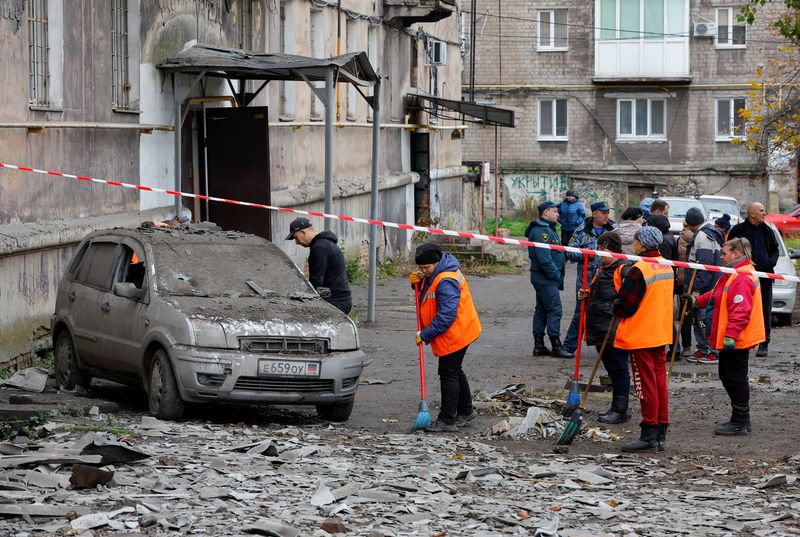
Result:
[200,315]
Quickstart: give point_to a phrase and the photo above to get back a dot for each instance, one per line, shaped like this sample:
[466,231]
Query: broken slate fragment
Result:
[772,481]
[113,452]
[33,379]
[271,528]
[322,496]
[333,525]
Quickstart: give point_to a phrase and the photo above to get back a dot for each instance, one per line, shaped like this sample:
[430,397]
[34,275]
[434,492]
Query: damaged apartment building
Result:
[91,88]
[622,99]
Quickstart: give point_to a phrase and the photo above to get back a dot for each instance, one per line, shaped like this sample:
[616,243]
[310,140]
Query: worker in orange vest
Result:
[450,324]
[737,326]
[645,307]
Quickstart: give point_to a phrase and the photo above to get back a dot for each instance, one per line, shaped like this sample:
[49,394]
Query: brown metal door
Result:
[238,167]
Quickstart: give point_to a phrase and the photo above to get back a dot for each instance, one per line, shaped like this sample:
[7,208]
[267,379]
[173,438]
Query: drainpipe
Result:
[330,98]
[373,200]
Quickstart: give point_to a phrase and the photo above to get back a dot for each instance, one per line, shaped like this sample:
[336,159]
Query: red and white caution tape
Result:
[433,230]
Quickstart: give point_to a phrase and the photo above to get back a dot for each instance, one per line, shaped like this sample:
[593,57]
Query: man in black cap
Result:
[449,325]
[325,263]
[547,277]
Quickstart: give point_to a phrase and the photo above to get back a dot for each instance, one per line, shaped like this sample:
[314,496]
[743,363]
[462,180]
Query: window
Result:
[553,30]
[78,258]
[120,82]
[553,119]
[317,32]
[245,24]
[729,123]
[351,30]
[730,32]
[38,45]
[642,19]
[641,119]
[98,266]
[437,52]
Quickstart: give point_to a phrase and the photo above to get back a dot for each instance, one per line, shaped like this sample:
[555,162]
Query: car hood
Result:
[255,316]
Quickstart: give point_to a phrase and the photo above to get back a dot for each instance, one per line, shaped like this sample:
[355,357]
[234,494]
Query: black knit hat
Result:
[723,221]
[632,213]
[694,217]
[428,253]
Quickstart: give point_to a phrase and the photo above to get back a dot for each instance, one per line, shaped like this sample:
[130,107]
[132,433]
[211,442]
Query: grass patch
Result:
[792,243]
[96,428]
[9,429]
[516,226]
[476,267]
[352,265]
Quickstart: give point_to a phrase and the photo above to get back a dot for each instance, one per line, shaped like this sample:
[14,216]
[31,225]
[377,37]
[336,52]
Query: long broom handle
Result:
[681,319]
[581,321]
[597,361]
[421,352]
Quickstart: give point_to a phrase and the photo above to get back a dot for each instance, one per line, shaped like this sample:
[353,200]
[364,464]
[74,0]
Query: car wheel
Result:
[336,411]
[67,373]
[784,319]
[163,396]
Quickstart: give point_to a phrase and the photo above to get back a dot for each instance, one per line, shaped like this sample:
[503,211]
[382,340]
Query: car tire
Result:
[337,412]
[67,371]
[163,396]
[784,319]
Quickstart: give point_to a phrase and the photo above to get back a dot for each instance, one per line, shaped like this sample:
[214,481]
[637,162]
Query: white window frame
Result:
[551,137]
[732,23]
[433,46]
[633,137]
[551,46]
[732,118]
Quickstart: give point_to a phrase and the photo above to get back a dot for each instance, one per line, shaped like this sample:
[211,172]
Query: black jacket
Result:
[600,306]
[763,241]
[326,269]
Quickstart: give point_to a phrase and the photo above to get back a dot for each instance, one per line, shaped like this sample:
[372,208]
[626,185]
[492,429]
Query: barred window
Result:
[245,23]
[120,80]
[38,52]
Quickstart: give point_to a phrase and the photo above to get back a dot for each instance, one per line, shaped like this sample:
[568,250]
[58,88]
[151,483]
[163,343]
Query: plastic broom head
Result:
[423,417]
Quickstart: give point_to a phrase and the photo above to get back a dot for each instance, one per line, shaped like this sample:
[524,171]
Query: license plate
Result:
[288,368]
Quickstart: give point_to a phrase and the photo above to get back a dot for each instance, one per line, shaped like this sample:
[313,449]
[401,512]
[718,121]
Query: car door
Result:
[123,320]
[92,281]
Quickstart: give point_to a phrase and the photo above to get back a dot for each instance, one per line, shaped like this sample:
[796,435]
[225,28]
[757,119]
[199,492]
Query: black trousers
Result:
[616,363]
[566,236]
[733,366]
[456,395]
[766,304]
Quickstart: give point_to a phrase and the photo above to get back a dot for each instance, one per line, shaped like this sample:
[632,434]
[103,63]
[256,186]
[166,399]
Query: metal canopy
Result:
[485,114]
[240,65]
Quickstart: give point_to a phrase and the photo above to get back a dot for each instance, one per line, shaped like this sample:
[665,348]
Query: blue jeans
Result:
[571,341]
[547,313]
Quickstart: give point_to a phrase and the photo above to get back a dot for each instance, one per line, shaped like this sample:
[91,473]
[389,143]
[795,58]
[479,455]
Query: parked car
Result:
[788,223]
[201,315]
[716,206]
[678,207]
[784,293]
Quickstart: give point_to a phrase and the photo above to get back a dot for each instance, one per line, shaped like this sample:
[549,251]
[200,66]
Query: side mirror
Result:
[128,290]
[795,254]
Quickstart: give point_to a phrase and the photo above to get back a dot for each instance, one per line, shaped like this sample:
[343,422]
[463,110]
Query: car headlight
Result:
[208,334]
[346,336]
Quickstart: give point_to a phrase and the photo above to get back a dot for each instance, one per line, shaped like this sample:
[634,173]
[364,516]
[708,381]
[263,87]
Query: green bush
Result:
[516,226]
[352,265]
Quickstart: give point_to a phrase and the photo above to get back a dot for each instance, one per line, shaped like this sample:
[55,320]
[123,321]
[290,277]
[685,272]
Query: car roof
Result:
[714,197]
[192,234]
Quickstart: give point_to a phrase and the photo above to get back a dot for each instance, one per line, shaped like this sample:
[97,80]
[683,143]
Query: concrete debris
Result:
[32,379]
[318,480]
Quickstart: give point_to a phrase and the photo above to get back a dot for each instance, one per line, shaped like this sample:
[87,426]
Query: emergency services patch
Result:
[545,236]
[737,299]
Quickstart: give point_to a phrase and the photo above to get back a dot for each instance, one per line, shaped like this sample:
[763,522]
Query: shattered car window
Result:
[224,269]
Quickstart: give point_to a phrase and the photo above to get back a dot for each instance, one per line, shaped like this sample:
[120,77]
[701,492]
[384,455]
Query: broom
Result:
[574,396]
[681,320]
[576,421]
[424,415]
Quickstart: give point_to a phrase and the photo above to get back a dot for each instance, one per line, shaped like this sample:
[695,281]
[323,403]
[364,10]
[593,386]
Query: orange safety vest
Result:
[651,325]
[754,333]
[466,327]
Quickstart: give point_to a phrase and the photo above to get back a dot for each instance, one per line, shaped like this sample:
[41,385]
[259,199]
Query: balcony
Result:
[642,41]
[404,13]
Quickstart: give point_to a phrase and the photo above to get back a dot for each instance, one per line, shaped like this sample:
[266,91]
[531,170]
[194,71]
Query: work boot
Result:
[440,426]
[662,436]
[539,348]
[763,350]
[739,424]
[648,441]
[618,413]
[558,350]
[463,420]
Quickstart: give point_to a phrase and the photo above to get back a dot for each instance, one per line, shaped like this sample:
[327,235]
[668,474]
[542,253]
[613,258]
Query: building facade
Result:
[83,94]
[621,99]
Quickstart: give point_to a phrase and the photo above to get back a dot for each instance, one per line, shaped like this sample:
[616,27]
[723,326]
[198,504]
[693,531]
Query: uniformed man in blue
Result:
[547,277]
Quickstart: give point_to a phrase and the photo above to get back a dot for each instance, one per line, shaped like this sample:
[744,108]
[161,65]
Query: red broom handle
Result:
[581,321]
[421,352]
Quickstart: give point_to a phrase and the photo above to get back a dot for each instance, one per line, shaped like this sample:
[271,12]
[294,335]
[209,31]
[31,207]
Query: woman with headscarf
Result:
[632,219]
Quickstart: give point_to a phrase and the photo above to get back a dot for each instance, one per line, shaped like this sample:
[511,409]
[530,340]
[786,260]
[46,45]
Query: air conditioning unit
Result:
[705,29]
[437,53]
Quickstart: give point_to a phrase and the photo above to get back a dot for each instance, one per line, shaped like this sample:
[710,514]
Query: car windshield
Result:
[224,270]
[720,206]
[678,208]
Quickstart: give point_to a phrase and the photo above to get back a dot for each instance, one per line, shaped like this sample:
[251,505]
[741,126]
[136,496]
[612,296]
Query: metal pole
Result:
[472,54]
[496,182]
[330,100]
[373,200]
[178,141]
[338,53]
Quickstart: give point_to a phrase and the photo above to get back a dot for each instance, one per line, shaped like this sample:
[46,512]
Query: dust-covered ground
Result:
[212,474]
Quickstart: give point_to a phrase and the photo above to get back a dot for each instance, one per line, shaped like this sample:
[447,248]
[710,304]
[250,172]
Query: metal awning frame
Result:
[309,73]
[484,114]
